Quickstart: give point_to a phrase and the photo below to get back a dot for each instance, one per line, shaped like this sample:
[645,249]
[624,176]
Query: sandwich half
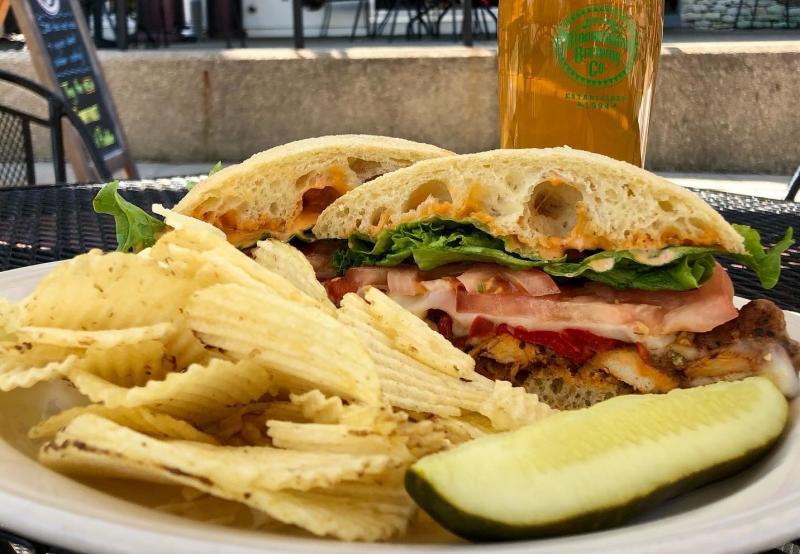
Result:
[280,192]
[575,275]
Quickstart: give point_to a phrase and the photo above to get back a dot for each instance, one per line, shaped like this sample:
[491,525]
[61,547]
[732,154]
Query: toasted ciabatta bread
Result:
[541,201]
[281,191]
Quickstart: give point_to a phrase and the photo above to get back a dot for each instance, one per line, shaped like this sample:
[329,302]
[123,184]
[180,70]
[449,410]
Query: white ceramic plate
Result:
[752,511]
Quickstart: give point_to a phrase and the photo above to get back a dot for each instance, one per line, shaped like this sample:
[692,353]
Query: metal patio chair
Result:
[794,185]
[16,145]
[362,8]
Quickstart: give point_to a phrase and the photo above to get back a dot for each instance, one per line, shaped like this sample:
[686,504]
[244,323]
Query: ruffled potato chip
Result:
[265,478]
[193,463]
[212,260]
[302,346]
[332,437]
[24,364]
[194,226]
[200,394]
[318,408]
[464,428]
[509,407]
[247,425]
[410,335]
[126,365]
[9,320]
[143,420]
[115,291]
[108,338]
[21,373]
[412,385]
[287,261]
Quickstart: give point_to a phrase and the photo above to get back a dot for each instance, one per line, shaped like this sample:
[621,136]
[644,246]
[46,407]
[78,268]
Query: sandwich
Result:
[277,193]
[280,192]
[577,276]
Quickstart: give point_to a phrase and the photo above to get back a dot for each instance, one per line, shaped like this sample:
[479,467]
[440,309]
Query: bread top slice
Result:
[281,191]
[541,201]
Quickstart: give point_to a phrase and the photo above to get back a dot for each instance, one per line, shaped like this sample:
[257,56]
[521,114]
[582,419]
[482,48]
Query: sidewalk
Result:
[767,186]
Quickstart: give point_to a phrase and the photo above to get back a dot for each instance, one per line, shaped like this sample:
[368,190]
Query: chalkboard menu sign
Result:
[65,59]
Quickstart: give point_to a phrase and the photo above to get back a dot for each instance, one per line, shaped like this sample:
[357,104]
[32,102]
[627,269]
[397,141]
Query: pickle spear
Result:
[583,470]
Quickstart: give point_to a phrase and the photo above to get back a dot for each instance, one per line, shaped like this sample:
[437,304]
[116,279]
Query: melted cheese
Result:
[420,305]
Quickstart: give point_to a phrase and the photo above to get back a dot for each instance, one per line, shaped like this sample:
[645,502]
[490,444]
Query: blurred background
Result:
[196,81]
[212,23]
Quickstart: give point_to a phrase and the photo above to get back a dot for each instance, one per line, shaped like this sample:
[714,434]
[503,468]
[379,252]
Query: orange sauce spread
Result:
[320,190]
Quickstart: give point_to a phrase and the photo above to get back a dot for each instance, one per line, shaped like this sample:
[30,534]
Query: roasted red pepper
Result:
[338,287]
[574,344]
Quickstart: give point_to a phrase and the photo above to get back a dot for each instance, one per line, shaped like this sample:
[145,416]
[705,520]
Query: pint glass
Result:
[578,73]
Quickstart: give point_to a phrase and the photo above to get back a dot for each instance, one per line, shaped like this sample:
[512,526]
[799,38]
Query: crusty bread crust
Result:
[268,194]
[543,201]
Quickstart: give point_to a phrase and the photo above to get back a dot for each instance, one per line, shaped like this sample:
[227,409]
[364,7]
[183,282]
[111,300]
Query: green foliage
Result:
[765,264]
[136,229]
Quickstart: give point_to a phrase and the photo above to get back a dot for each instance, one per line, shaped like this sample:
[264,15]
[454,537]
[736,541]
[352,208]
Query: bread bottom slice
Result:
[567,390]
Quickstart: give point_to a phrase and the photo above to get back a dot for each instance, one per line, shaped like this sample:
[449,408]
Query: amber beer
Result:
[578,73]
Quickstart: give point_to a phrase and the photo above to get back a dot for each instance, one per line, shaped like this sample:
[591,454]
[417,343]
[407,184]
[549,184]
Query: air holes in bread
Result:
[697,223]
[303,181]
[229,219]
[553,208]
[666,205]
[316,200]
[435,190]
[365,170]
[375,217]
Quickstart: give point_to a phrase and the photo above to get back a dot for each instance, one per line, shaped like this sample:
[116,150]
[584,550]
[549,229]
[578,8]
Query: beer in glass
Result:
[578,73]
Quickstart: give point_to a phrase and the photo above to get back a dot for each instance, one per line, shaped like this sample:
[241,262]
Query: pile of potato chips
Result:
[237,378]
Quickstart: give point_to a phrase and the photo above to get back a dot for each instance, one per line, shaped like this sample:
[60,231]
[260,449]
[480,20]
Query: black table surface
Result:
[47,223]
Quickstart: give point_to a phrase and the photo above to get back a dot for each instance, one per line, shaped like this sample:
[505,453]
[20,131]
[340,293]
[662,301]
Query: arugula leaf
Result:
[217,166]
[136,229]
[765,264]
[344,259]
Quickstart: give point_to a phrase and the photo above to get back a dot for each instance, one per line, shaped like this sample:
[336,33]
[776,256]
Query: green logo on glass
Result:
[596,46]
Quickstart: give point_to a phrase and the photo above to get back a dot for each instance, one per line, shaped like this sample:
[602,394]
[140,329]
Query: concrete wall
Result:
[739,14]
[729,108]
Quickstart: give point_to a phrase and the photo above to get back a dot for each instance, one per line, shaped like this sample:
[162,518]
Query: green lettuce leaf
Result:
[217,167]
[430,244]
[680,268]
[136,229]
[433,243]
[765,264]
